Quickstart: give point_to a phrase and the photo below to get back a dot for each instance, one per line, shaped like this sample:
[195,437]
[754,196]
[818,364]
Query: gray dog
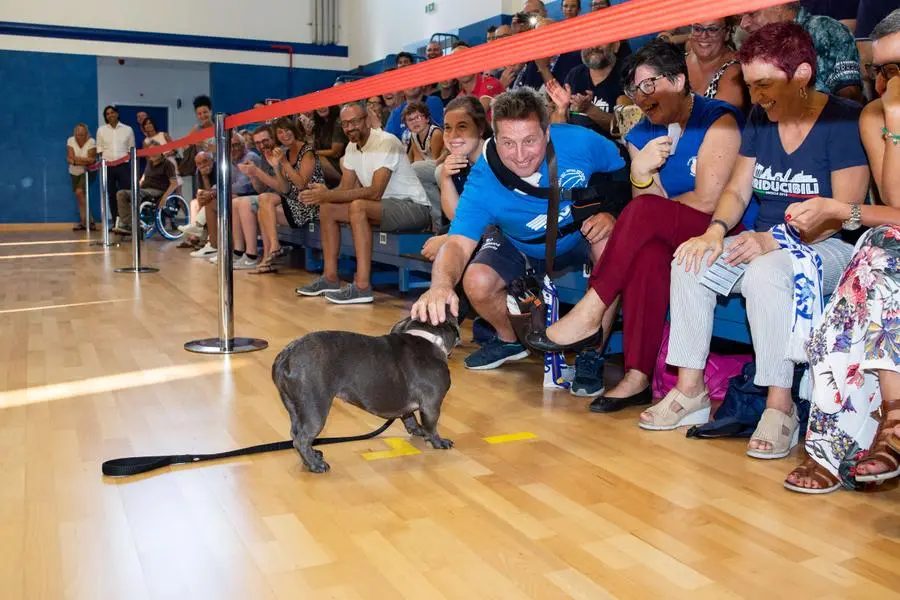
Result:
[389,376]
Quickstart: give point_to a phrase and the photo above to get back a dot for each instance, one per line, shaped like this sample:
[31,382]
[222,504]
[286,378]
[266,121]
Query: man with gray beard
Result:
[593,89]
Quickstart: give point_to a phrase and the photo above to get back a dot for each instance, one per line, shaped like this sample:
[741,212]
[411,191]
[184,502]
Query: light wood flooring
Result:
[92,367]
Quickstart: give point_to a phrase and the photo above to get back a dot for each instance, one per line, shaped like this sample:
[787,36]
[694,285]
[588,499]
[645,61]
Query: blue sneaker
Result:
[588,382]
[494,353]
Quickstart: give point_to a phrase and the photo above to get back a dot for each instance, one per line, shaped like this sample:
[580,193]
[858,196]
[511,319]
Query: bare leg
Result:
[330,218]
[362,214]
[236,231]
[486,291]
[212,223]
[79,197]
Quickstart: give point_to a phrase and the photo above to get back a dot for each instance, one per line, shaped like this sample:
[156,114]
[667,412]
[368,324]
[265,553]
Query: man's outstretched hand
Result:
[432,305]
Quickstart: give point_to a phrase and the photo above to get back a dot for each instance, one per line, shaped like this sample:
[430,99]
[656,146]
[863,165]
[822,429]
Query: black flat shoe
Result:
[539,342]
[605,404]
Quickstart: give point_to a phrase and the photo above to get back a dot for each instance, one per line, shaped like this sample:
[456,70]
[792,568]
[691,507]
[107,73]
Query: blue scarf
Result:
[809,301]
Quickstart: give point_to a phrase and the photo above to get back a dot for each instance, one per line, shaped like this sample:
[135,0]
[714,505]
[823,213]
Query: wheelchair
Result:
[164,219]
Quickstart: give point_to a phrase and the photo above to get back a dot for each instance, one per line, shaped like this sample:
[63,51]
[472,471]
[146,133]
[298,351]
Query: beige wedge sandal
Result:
[664,415]
[778,429]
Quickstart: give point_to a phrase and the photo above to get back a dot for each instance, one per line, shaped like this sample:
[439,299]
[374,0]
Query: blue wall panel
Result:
[44,97]
[235,88]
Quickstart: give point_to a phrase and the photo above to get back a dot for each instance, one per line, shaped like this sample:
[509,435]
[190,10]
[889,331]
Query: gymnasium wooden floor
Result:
[588,507]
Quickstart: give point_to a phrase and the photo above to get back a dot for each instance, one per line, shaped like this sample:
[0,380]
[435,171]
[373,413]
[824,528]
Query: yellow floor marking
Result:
[510,437]
[399,447]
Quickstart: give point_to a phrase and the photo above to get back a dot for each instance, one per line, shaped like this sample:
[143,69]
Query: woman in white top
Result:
[82,152]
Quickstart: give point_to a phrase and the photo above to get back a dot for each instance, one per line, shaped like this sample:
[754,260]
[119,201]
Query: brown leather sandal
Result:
[882,452]
[819,474]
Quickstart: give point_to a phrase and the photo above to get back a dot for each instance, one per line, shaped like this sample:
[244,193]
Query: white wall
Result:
[275,20]
[154,83]
[381,27]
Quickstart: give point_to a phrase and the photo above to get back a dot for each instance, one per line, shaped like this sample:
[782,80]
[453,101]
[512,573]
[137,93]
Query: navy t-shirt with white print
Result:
[780,179]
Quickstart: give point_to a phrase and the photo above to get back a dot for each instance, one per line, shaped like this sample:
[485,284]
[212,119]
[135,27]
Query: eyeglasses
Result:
[887,70]
[353,122]
[647,86]
[700,30]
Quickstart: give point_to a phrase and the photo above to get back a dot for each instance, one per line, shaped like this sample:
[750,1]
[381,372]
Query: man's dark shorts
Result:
[498,252]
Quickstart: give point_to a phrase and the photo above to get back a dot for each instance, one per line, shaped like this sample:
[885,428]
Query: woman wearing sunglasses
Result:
[712,68]
[682,152]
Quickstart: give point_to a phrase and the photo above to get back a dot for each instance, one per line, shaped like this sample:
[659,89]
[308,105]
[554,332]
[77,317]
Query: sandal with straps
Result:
[779,429]
[819,474]
[883,453]
[265,267]
[664,416]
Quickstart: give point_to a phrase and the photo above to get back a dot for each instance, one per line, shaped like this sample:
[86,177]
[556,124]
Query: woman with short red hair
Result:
[798,143]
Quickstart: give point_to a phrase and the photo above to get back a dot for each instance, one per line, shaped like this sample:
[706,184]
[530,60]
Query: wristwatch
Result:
[855,220]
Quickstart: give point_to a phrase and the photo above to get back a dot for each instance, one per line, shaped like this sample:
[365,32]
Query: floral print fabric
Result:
[859,335]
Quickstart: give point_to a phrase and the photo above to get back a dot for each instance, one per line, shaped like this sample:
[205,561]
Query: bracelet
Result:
[720,222]
[640,186]
[891,137]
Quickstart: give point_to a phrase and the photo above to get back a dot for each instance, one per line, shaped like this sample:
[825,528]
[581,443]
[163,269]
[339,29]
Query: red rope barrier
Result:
[620,22]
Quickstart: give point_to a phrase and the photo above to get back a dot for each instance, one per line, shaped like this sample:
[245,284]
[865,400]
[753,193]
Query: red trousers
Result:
[637,263]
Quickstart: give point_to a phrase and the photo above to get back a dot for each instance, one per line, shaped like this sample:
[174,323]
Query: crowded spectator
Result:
[542,70]
[157,183]
[395,124]
[465,129]
[405,59]
[377,114]
[446,91]
[870,13]
[855,367]
[151,133]
[798,143]
[837,58]
[266,185]
[534,7]
[424,149]
[203,112]
[433,50]
[204,203]
[489,35]
[114,141]
[484,87]
[675,193]
[712,68]
[81,152]
[297,167]
[329,141]
[570,8]
[522,134]
[599,4]
[591,92]
[378,188]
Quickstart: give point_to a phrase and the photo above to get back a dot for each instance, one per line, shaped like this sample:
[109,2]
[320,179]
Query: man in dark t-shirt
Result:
[158,176]
[596,87]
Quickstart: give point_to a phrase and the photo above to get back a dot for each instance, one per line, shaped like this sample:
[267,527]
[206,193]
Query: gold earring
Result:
[803,93]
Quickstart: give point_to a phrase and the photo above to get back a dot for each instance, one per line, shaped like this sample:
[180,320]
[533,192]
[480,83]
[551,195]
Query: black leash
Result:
[125,467]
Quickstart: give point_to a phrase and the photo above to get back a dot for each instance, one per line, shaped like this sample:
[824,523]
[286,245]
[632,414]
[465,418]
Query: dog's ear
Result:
[401,326]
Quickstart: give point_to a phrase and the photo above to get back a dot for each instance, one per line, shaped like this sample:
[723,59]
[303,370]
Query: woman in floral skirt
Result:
[855,353]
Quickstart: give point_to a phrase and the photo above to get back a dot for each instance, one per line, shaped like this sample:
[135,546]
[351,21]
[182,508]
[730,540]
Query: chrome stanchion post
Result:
[226,343]
[104,206]
[136,231]
[87,200]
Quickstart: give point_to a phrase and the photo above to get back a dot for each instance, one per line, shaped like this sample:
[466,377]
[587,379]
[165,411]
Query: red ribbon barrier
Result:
[621,22]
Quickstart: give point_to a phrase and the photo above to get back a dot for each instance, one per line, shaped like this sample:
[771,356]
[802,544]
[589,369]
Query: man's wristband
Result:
[720,222]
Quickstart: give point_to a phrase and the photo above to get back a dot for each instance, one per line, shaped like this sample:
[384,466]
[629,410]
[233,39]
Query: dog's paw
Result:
[319,466]
[440,443]
[417,431]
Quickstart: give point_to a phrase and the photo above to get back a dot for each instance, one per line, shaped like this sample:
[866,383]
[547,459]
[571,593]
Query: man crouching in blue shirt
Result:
[513,223]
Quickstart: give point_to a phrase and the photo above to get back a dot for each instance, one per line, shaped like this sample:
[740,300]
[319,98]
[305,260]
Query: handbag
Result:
[720,368]
[744,405]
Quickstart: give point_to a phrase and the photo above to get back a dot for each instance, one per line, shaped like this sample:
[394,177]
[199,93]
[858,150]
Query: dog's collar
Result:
[434,339]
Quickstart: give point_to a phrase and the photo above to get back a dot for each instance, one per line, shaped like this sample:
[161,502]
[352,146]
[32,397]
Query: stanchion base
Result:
[136,270]
[217,346]
[100,243]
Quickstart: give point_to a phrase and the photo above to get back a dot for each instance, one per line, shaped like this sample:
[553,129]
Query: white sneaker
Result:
[244,263]
[204,252]
[215,259]
[193,229]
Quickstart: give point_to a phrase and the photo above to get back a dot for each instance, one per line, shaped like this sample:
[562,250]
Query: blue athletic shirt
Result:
[780,179]
[678,174]
[485,201]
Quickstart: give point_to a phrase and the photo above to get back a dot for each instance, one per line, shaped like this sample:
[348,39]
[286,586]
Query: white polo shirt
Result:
[383,149]
[114,143]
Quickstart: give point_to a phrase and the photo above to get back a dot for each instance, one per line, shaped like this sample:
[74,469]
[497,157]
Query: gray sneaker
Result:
[350,294]
[318,287]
